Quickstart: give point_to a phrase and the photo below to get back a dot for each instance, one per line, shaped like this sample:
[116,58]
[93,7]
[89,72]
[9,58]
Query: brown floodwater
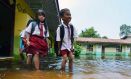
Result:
[85,67]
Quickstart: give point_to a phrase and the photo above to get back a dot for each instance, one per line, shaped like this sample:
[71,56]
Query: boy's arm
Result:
[28,33]
[27,38]
[58,39]
[59,45]
[75,37]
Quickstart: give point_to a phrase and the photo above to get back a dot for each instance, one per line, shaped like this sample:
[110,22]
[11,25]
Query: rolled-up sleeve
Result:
[75,33]
[58,34]
[23,33]
[28,29]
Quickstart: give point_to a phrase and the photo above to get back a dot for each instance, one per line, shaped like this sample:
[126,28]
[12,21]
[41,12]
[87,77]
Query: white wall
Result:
[97,48]
[126,50]
[110,49]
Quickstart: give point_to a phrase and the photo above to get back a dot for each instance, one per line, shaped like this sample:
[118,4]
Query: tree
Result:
[105,37]
[125,30]
[90,32]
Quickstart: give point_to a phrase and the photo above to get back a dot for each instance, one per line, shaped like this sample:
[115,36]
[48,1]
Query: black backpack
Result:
[62,33]
[34,23]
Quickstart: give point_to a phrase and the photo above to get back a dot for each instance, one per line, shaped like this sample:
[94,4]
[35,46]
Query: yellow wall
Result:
[21,20]
[22,15]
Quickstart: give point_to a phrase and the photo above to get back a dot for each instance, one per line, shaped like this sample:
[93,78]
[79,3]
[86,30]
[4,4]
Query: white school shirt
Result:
[23,33]
[66,44]
[36,30]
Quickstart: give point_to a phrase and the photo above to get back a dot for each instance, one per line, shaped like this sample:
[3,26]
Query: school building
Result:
[14,17]
[105,46]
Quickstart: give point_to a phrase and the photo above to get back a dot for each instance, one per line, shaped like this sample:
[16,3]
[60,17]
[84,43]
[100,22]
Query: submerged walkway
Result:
[85,67]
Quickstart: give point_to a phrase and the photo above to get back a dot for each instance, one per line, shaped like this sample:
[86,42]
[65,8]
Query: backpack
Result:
[62,33]
[34,24]
[22,42]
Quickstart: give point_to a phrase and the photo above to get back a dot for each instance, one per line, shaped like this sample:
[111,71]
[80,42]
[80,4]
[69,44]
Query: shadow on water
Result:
[85,67]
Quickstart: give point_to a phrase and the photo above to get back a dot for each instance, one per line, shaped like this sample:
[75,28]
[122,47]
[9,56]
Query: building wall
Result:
[126,49]
[21,19]
[97,49]
[110,49]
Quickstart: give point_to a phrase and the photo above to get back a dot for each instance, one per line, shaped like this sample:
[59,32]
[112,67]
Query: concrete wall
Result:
[110,49]
[126,49]
[21,20]
[97,49]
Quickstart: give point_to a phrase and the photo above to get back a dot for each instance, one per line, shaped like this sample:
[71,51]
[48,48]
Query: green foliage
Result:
[51,52]
[125,30]
[90,32]
[77,50]
[105,37]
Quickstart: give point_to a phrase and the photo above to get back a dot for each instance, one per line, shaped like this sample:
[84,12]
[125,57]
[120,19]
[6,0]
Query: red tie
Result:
[41,29]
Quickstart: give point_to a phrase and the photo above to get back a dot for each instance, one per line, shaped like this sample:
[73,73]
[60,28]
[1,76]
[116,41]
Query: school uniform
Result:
[38,43]
[66,43]
[22,36]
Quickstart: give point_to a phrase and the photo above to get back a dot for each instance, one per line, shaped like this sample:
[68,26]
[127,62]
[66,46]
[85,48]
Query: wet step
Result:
[5,63]
[45,63]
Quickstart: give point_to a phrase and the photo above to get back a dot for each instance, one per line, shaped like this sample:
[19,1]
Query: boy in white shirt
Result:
[22,48]
[65,43]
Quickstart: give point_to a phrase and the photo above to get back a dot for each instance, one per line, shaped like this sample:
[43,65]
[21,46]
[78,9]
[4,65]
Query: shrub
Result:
[77,49]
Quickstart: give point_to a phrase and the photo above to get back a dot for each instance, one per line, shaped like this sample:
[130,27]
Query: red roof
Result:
[103,40]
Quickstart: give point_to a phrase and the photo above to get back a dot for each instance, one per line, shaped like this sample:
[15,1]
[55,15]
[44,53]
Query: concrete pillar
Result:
[97,48]
[126,50]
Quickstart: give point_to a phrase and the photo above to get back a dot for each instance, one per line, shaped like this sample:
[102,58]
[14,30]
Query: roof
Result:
[51,8]
[103,40]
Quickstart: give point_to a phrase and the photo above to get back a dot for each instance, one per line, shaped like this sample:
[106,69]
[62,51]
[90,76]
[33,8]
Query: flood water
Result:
[85,67]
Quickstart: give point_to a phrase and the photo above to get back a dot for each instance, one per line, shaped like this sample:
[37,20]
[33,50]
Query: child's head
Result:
[65,15]
[40,15]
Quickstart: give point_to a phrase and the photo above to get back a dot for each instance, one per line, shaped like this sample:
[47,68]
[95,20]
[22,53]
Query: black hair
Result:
[40,12]
[62,11]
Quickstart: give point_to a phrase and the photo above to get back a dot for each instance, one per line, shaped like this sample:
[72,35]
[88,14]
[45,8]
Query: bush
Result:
[51,52]
[77,50]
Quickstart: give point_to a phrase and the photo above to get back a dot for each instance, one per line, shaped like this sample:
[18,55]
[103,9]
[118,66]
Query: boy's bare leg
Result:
[21,54]
[29,58]
[36,61]
[71,58]
[63,64]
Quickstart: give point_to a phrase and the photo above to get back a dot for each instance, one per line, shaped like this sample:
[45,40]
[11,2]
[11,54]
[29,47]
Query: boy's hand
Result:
[72,50]
[28,43]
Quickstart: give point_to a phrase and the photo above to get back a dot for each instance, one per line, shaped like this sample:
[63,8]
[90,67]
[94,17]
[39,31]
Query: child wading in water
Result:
[37,35]
[22,48]
[65,37]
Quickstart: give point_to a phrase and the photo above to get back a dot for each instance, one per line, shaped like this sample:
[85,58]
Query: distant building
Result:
[101,45]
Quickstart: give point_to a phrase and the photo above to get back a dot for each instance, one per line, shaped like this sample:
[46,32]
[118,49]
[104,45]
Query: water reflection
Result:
[37,75]
[85,67]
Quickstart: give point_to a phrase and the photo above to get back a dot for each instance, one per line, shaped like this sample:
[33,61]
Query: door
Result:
[7,15]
